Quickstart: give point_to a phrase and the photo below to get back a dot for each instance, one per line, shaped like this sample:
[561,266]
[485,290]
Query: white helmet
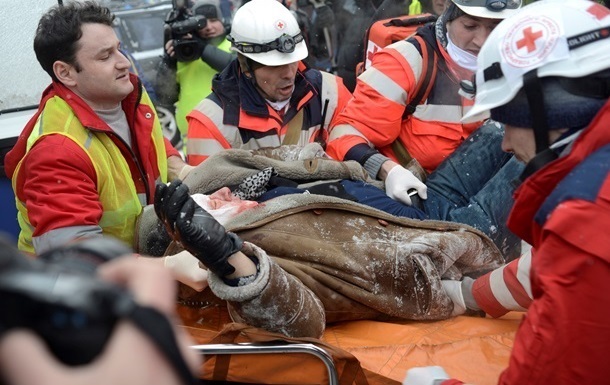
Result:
[267,32]
[560,38]
[489,9]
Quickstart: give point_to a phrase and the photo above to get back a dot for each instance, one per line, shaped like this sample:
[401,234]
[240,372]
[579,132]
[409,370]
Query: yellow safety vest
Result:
[115,185]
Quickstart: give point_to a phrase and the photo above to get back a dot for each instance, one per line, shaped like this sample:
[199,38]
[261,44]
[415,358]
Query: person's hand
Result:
[398,183]
[187,269]
[425,375]
[130,357]
[195,228]
[169,48]
[325,17]
[454,291]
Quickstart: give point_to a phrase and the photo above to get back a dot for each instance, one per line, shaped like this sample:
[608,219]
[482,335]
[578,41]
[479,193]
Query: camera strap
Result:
[157,326]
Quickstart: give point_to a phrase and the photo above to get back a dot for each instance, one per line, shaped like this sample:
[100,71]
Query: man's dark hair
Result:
[59,30]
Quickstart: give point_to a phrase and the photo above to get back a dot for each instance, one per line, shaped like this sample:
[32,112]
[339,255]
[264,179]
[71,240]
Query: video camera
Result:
[180,22]
[57,297]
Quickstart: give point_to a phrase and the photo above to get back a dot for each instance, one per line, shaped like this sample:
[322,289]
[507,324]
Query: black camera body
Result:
[60,300]
[180,22]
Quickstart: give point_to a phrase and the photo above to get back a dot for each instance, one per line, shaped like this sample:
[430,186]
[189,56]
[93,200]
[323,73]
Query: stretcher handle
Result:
[272,347]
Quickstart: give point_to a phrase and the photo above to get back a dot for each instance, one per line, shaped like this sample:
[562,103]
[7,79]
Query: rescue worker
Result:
[185,83]
[267,96]
[376,129]
[88,161]
[545,73]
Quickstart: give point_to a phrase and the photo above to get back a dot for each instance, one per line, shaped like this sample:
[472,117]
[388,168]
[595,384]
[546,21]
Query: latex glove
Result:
[425,375]
[187,269]
[454,291]
[195,228]
[399,181]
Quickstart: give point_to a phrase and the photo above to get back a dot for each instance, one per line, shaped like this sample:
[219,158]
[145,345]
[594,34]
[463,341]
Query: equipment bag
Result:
[387,31]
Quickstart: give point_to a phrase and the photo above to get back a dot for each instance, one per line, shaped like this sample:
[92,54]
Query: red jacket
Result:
[74,201]
[375,113]
[563,211]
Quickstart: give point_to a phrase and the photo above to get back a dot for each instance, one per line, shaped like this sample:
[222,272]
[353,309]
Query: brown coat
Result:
[324,259]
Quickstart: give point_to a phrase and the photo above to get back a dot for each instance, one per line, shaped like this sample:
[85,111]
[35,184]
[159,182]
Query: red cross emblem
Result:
[529,39]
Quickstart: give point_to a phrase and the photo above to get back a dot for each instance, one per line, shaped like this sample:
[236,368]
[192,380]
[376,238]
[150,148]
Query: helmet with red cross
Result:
[547,38]
[268,33]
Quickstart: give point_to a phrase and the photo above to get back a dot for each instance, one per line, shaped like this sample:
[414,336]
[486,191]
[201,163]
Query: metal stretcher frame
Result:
[272,347]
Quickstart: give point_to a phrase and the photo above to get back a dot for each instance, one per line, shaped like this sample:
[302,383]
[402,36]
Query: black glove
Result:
[325,17]
[197,231]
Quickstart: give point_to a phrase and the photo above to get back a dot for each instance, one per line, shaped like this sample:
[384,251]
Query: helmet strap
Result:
[537,162]
[535,98]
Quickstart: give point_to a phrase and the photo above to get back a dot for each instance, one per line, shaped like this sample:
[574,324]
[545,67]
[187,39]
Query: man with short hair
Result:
[88,161]
[545,74]
[267,96]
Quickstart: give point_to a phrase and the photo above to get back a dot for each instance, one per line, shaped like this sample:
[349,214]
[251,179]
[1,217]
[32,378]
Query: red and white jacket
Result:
[563,211]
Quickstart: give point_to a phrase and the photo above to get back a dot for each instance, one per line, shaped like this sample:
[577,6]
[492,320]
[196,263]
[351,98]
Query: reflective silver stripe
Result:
[439,112]
[206,147]
[500,289]
[523,271]
[63,235]
[330,91]
[384,85]
[344,130]
[267,141]
[411,54]
[142,199]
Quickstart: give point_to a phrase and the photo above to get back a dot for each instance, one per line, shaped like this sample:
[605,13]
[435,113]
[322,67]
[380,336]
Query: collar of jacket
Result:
[238,93]
[533,192]
[85,113]
[81,109]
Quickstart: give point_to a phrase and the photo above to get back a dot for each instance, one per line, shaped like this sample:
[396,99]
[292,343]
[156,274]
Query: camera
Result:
[57,296]
[180,22]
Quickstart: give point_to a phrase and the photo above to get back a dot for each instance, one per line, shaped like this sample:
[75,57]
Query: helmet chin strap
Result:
[535,98]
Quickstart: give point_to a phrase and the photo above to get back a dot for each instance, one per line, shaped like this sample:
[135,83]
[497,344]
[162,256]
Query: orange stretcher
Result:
[472,349]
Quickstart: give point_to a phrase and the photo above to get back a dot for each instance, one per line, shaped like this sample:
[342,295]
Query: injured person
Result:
[296,262]
[298,271]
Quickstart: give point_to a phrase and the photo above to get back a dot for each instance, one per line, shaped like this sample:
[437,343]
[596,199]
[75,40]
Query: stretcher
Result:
[472,349]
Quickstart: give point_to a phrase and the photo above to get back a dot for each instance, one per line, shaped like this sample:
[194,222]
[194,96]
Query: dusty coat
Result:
[325,259]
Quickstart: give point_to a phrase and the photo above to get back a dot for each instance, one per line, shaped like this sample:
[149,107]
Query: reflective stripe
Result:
[384,85]
[432,113]
[204,147]
[61,236]
[344,130]
[501,292]
[411,54]
[143,199]
[523,272]
[504,294]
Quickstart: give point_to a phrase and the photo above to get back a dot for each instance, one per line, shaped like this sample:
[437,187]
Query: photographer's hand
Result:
[130,357]
[169,48]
